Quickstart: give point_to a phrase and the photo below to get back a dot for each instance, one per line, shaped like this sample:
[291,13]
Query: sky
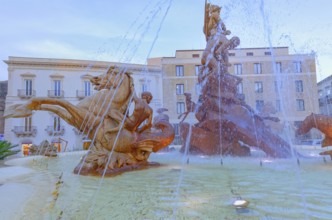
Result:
[134,30]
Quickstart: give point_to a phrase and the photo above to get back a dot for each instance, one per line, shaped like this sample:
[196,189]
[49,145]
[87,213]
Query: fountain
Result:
[270,184]
[225,120]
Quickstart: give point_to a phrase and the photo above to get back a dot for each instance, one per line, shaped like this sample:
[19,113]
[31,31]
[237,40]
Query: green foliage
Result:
[5,149]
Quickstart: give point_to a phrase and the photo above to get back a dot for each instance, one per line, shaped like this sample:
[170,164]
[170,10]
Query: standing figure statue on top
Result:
[215,55]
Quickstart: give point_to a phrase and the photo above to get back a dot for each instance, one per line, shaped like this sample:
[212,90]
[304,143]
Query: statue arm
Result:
[223,27]
[206,19]
[147,125]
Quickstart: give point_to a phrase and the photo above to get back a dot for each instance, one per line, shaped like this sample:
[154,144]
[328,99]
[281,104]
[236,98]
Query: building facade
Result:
[62,79]
[325,96]
[286,82]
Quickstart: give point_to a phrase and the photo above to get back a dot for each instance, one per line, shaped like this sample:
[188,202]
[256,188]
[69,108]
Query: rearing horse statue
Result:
[96,116]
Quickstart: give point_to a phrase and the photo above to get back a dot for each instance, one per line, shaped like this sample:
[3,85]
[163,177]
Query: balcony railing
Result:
[23,93]
[81,94]
[55,93]
[55,132]
[25,131]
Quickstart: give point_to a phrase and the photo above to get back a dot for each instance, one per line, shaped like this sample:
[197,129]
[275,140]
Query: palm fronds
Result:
[5,149]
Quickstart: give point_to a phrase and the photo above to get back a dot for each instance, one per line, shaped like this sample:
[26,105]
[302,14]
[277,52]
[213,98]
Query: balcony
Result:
[25,131]
[81,94]
[55,93]
[55,132]
[26,94]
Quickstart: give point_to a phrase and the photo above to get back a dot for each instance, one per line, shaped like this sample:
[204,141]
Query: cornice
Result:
[88,65]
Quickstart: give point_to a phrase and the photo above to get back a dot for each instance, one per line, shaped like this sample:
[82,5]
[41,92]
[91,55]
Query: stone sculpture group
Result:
[119,142]
[226,124]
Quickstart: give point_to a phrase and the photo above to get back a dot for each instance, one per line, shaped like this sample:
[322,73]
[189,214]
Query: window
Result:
[259,105]
[57,87]
[278,67]
[239,88]
[300,105]
[250,54]
[278,105]
[277,86]
[179,70]
[195,55]
[197,69]
[87,88]
[144,87]
[179,89]
[231,54]
[56,123]
[28,87]
[176,129]
[258,87]
[257,68]
[297,67]
[298,86]
[267,53]
[237,69]
[28,124]
[180,107]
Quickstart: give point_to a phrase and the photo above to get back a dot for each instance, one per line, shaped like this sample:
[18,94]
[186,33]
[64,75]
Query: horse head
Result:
[111,79]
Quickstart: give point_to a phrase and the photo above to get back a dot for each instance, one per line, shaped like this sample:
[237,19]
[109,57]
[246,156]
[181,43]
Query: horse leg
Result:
[77,113]
[17,111]
[62,113]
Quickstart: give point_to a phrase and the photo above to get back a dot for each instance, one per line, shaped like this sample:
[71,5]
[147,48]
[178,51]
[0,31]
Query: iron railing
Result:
[24,93]
[55,131]
[55,93]
[25,131]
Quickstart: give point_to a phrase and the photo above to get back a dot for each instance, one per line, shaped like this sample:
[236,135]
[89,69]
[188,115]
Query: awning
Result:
[26,141]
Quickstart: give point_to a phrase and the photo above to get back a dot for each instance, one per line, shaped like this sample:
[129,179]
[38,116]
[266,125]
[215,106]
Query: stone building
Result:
[3,94]
[62,79]
[325,96]
[272,79]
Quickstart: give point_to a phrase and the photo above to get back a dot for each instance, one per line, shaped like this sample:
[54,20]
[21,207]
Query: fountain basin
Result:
[202,189]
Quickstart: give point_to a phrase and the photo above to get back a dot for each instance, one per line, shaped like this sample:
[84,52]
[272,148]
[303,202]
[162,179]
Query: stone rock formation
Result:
[119,142]
[227,125]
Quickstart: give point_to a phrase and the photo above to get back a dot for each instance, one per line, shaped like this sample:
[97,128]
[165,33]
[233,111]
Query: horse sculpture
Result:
[323,124]
[97,116]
